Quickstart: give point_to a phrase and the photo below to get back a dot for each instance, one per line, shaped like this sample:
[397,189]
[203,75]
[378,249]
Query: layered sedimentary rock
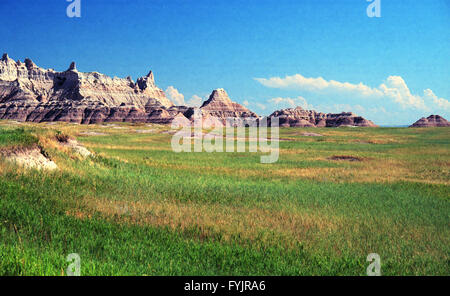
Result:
[431,121]
[219,105]
[30,93]
[298,117]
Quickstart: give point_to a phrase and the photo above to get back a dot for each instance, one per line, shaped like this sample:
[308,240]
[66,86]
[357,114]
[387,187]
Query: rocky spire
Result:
[7,59]
[150,77]
[130,81]
[72,67]
[147,81]
[29,64]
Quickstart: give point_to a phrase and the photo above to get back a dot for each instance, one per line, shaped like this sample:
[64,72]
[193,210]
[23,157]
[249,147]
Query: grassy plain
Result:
[137,208]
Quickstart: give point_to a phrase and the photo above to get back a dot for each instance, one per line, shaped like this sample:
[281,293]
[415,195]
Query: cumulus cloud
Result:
[252,105]
[261,106]
[439,102]
[195,101]
[290,102]
[300,82]
[175,96]
[394,88]
[338,108]
[178,98]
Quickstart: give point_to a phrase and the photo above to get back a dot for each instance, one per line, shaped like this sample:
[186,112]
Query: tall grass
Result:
[137,208]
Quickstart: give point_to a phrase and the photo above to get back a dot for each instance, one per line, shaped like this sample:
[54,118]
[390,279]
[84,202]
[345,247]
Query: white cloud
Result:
[251,105]
[300,82]
[338,108]
[394,88]
[178,98]
[175,96]
[195,101]
[261,106]
[290,102]
[439,102]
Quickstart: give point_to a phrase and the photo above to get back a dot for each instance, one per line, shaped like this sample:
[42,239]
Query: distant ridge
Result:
[298,117]
[431,121]
[31,93]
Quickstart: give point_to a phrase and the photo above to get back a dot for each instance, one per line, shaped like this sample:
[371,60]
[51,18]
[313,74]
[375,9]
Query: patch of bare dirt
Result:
[92,134]
[144,131]
[31,158]
[76,147]
[311,135]
[346,157]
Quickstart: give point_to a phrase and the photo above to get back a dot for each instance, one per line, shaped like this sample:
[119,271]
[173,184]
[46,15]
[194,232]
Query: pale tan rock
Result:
[30,93]
[32,159]
[77,148]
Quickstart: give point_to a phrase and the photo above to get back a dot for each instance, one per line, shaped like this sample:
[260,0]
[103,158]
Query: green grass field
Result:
[137,208]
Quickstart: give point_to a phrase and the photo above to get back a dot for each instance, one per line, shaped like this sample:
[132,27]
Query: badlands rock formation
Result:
[298,117]
[431,121]
[220,106]
[30,93]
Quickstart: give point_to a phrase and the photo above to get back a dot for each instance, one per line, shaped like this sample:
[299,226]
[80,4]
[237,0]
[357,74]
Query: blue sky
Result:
[268,54]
